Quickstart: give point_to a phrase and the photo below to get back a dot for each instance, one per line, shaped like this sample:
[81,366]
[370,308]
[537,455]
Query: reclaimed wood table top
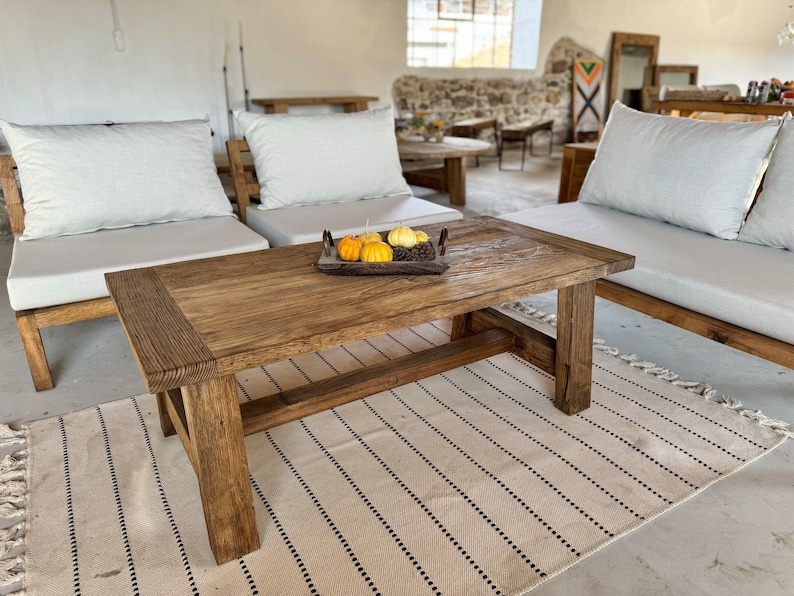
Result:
[196,320]
[451,147]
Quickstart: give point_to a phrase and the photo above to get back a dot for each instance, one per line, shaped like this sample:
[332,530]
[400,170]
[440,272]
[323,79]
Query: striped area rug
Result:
[469,482]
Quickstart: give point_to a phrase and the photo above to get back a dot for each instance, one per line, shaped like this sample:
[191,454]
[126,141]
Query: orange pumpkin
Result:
[376,252]
[349,248]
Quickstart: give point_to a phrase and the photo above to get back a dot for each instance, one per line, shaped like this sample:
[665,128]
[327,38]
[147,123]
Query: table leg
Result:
[574,357]
[216,440]
[456,179]
[166,425]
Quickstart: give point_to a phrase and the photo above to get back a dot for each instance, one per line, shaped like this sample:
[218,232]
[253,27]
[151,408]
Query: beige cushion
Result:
[692,173]
[78,179]
[771,221]
[297,225]
[69,269]
[745,284]
[324,158]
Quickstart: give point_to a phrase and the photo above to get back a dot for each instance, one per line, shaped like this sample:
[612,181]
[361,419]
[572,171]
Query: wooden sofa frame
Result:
[245,183]
[576,162]
[30,322]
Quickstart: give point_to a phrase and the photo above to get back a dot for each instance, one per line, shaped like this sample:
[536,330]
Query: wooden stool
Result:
[472,126]
[520,132]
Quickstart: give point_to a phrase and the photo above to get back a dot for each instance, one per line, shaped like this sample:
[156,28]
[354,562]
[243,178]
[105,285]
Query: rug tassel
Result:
[11,571]
[8,436]
[703,389]
[10,538]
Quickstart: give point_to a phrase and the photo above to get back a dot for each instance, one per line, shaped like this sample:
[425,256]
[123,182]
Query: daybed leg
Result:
[34,350]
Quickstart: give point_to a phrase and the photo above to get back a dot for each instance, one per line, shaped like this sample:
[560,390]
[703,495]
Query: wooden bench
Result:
[471,128]
[520,132]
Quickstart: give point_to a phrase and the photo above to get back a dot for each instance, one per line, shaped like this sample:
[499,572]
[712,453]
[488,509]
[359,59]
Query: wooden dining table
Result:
[451,176]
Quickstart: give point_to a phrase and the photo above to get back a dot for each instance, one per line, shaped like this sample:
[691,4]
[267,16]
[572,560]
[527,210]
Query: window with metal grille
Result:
[474,33]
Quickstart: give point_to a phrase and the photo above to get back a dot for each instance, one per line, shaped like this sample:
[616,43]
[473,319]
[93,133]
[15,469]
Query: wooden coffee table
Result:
[193,325]
[451,178]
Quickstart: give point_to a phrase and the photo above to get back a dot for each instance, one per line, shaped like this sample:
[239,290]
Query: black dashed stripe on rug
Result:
[425,509]
[499,482]
[242,390]
[595,402]
[466,498]
[117,499]
[550,485]
[248,577]
[555,426]
[684,407]
[316,501]
[282,532]
[374,510]
[270,378]
[67,475]
[164,500]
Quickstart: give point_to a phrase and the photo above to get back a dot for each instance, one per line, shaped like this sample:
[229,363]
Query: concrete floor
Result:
[735,538]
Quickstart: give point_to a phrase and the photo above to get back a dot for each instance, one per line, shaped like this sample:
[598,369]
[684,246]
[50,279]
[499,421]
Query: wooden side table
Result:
[280,105]
[576,159]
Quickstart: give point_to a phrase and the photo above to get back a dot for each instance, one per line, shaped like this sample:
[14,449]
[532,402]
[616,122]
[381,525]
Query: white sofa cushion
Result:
[69,269]
[771,220]
[324,158]
[297,225]
[741,283]
[78,179]
[692,173]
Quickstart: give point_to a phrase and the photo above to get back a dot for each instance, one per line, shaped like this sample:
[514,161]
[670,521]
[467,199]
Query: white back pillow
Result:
[306,159]
[771,221]
[78,179]
[696,174]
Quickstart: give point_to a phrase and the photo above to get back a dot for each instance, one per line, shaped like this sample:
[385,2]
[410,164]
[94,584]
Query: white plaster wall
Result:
[58,62]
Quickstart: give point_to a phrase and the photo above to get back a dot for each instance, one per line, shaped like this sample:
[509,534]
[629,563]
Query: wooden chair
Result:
[30,322]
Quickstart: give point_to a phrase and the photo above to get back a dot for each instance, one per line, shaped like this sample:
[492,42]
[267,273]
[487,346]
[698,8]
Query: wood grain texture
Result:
[315,397]
[574,353]
[34,350]
[531,345]
[731,335]
[166,423]
[284,306]
[50,316]
[11,194]
[576,160]
[219,459]
[456,179]
[169,352]
[242,196]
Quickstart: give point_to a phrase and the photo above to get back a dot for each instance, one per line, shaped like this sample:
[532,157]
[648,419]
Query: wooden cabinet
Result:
[576,159]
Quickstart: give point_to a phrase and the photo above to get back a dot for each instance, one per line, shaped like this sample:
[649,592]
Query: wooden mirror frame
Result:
[630,39]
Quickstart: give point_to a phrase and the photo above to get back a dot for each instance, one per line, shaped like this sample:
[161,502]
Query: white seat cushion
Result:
[298,225]
[69,269]
[745,284]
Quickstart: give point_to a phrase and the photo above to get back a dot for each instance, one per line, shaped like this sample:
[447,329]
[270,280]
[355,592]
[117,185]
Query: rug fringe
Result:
[699,388]
[13,489]
[9,436]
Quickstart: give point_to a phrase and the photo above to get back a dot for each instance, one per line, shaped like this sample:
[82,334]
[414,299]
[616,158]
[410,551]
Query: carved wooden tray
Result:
[331,264]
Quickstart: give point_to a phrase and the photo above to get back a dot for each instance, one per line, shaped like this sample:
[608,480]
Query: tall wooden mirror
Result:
[631,66]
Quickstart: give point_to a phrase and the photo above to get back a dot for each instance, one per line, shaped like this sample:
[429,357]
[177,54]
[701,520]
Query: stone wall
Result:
[547,97]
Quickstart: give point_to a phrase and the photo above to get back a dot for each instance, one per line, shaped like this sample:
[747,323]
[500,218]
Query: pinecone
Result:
[423,251]
[400,253]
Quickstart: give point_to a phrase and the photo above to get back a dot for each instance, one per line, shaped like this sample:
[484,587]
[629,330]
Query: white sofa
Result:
[676,193]
[100,199]
[325,171]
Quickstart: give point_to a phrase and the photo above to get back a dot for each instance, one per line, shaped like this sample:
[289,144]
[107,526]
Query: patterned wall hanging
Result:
[588,99]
